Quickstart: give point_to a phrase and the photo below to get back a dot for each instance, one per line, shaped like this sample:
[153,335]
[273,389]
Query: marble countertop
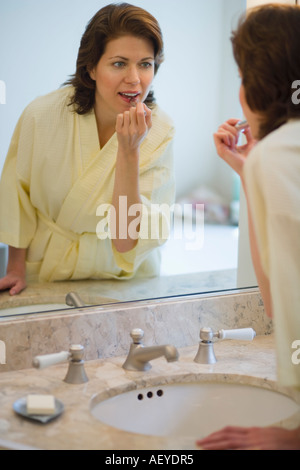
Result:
[252,363]
[54,293]
[100,292]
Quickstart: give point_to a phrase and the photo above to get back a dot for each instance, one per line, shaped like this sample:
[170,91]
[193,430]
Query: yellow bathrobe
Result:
[55,178]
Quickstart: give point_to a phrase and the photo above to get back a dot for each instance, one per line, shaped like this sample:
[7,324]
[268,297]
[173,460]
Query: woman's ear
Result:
[92,72]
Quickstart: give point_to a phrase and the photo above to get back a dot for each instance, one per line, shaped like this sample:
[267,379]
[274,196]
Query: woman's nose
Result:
[132,76]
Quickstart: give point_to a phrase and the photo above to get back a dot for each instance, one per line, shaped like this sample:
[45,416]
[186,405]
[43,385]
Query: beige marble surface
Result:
[54,293]
[95,292]
[105,331]
[241,362]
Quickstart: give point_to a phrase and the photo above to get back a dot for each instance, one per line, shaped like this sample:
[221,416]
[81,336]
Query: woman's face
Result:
[123,75]
[251,116]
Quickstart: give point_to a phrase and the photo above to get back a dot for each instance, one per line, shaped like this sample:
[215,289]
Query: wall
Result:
[197,84]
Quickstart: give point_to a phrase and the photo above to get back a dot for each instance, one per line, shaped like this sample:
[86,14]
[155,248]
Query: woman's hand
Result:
[132,127]
[15,279]
[14,282]
[254,438]
[226,142]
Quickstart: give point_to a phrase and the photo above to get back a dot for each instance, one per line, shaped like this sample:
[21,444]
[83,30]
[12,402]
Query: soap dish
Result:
[20,407]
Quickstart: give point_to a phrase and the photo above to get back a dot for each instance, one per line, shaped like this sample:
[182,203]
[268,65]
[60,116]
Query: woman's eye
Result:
[119,64]
[146,65]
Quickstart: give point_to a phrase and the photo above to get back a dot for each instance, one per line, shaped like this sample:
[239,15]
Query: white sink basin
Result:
[26,309]
[192,410]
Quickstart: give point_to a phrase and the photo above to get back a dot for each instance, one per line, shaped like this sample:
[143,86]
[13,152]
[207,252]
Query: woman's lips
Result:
[129,97]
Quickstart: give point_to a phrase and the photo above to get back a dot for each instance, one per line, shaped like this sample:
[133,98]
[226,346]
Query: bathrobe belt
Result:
[54,227]
[61,263]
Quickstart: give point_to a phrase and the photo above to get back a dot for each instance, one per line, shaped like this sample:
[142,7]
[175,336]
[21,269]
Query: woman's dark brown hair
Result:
[266,47]
[111,22]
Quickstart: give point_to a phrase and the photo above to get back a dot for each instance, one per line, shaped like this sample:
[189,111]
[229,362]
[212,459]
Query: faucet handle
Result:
[40,362]
[137,335]
[246,334]
[76,373]
[206,355]
[206,334]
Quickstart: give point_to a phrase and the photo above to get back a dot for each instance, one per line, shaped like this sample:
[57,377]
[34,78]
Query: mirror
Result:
[197,85]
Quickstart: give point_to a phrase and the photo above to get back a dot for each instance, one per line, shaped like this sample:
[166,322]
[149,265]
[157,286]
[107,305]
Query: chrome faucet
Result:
[74,300]
[76,372]
[206,355]
[139,356]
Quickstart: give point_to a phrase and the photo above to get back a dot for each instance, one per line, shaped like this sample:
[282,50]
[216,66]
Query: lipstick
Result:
[241,125]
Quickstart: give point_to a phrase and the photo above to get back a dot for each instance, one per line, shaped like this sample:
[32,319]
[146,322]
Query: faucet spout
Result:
[139,356]
[74,300]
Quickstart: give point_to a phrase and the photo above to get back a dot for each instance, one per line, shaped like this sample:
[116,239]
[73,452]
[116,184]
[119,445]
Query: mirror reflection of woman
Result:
[97,140]
[266,49]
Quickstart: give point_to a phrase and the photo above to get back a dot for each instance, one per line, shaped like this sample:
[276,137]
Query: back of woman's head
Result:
[266,47]
[111,22]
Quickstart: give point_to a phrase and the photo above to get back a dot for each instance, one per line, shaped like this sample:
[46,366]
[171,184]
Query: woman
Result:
[266,49]
[98,145]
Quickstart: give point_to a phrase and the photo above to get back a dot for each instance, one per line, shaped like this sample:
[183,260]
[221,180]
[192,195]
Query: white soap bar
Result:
[40,404]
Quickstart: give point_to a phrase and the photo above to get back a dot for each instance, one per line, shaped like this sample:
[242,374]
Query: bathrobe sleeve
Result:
[17,215]
[272,175]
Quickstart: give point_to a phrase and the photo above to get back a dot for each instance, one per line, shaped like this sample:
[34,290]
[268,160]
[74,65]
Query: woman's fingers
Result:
[15,284]
[224,138]
[132,127]
[127,119]
[136,117]
[19,286]
[226,141]
[231,132]
[233,121]
[140,116]
[119,122]
[230,437]
[252,438]
[228,136]
[148,116]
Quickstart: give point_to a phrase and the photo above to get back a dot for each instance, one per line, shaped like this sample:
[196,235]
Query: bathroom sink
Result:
[192,409]
[26,309]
